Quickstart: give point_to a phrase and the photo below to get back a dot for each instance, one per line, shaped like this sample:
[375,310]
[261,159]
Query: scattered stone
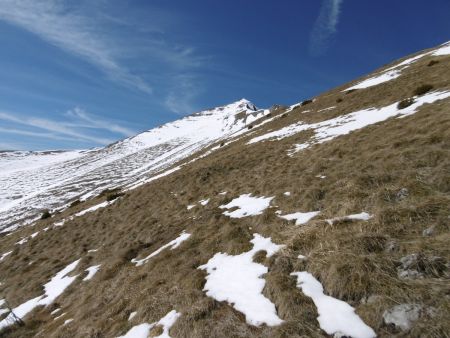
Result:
[402,194]
[371,299]
[402,316]
[391,246]
[428,232]
[417,265]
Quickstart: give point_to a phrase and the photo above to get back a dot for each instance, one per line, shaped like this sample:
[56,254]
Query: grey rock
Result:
[411,274]
[428,231]
[371,299]
[391,246]
[402,194]
[402,316]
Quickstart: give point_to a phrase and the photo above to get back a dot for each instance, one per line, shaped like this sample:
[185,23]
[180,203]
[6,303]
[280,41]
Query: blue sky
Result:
[80,74]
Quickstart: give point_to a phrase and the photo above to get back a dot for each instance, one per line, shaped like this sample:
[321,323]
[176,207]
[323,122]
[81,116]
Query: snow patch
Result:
[363,216]
[335,316]
[204,202]
[300,217]
[3,256]
[247,206]
[445,50]
[172,245]
[344,124]
[92,270]
[376,80]
[142,330]
[237,280]
[53,289]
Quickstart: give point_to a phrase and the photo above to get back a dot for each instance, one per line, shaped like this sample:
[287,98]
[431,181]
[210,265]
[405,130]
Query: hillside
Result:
[329,217]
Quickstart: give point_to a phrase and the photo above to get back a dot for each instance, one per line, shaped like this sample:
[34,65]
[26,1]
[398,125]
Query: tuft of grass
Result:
[432,63]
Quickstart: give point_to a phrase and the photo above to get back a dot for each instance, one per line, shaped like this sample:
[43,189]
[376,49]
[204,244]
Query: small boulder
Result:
[402,316]
[428,231]
[402,194]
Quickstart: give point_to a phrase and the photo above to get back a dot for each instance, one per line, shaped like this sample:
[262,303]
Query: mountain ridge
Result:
[339,201]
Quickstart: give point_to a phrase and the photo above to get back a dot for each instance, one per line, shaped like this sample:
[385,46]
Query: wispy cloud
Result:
[73,129]
[180,98]
[72,31]
[325,27]
[10,146]
[94,122]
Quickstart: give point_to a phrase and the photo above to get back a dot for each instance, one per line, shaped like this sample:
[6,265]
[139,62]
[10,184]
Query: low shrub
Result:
[304,103]
[432,63]
[339,100]
[74,203]
[405,103]
[422,89]
[46,214]
[112,196]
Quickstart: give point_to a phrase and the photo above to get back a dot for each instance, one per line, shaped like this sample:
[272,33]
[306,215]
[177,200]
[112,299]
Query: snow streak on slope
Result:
[344,124]
[395,71]
[335,316]
[55,179]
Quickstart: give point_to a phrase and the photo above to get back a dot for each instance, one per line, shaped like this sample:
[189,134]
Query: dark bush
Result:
[112,196]
[339,100]
[422,89]
[304,103]
[222,144]
[74,203]
[432,63]
[405,103]
[46,214]
[250,127]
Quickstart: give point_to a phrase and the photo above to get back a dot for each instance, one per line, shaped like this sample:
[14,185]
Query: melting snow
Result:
[344,124]
[92,270]
[172,244]
[142,330]
[335,316]
[363,216]
[67,321]
[247,206]
[376,80]
[204,202]
[237,280]
[55,311]
[189,207]
[53,289]
[445,50]
[93,208]
[22,241]
[287,193]
[3,256]
[132,315]
[300,217]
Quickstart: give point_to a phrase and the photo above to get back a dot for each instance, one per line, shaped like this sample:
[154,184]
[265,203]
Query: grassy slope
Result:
[354,260]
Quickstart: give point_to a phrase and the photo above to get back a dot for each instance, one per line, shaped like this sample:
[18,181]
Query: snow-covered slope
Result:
[33,181]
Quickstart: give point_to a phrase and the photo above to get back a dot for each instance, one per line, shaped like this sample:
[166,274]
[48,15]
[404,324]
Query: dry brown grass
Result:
[364,171]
